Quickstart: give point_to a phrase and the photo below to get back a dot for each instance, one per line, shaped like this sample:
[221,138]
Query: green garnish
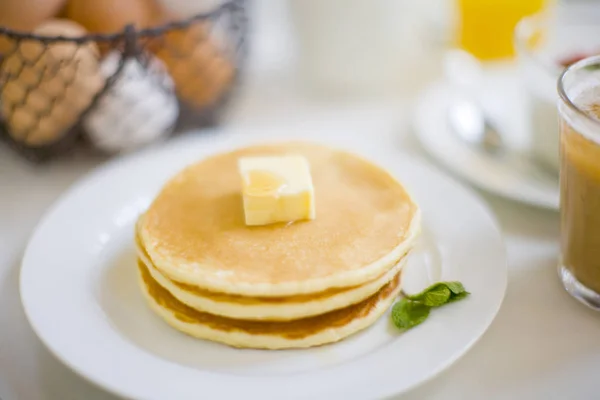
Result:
[407,314]
[414,309]
[434,297]
[458,296]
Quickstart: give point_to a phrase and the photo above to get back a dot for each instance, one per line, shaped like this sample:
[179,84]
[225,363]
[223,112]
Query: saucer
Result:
[503,102]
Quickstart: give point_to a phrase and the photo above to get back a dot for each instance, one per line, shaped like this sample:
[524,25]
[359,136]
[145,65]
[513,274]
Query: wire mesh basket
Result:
[117,90]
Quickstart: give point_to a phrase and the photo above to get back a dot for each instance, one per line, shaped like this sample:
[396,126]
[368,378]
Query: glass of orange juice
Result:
[485,27]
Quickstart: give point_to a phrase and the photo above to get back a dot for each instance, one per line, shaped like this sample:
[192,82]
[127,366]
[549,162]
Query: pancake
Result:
[313,331]
[194,231]
[267,308]
[270,308]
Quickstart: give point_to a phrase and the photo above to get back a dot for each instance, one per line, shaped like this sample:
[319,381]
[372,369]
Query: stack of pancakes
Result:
[277,286]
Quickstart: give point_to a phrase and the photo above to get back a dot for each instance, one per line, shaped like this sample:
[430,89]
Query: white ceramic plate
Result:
[79,291]
[505,104]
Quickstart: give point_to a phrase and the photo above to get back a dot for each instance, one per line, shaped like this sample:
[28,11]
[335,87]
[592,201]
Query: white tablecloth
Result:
[542,345]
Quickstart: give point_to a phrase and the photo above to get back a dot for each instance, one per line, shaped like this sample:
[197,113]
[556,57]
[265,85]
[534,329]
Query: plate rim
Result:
[226,142]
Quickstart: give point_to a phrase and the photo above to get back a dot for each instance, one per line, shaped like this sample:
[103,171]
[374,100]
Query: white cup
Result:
[368,47]
[545,44]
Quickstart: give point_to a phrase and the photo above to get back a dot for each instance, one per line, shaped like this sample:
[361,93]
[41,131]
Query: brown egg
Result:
[110,16]
[200,72]
[47,87]
[25,15]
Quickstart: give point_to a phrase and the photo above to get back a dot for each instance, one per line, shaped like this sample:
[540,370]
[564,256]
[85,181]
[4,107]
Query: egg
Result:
[111,16]
[200,71]
[48,86]
[25,15]
[138,108]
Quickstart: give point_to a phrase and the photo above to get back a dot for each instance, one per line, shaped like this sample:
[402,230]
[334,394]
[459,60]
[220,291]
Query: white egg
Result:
[139,107]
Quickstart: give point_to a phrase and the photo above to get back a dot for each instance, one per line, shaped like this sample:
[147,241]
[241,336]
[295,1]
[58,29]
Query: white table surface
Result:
[542,345]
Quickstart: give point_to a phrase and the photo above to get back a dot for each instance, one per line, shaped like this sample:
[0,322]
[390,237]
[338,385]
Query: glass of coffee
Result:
[579,124]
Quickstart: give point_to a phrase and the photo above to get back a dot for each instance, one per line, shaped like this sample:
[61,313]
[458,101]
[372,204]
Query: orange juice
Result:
[485,27]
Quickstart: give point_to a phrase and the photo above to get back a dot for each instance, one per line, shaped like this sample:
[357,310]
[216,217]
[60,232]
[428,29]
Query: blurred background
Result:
[188,62]
[486,67]
[469,83]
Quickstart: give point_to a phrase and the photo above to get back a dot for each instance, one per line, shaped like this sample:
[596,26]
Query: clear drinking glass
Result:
[485,27]
[579,124]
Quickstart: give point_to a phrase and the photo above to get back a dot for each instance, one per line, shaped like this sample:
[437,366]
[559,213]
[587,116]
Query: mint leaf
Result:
[407,314]
[458,296]
[436,297]
[413,310]
[455,287]
[421,295]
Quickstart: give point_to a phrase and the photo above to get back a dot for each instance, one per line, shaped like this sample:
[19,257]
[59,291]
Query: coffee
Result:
[580,201]
[579,123]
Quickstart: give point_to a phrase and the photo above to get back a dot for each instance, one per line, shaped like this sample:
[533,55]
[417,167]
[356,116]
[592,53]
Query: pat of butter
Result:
[276,189]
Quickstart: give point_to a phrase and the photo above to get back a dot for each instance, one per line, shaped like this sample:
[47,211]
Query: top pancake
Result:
[194,231]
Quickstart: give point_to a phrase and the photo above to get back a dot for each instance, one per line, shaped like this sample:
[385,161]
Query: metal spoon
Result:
[468,120]
[466,117]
